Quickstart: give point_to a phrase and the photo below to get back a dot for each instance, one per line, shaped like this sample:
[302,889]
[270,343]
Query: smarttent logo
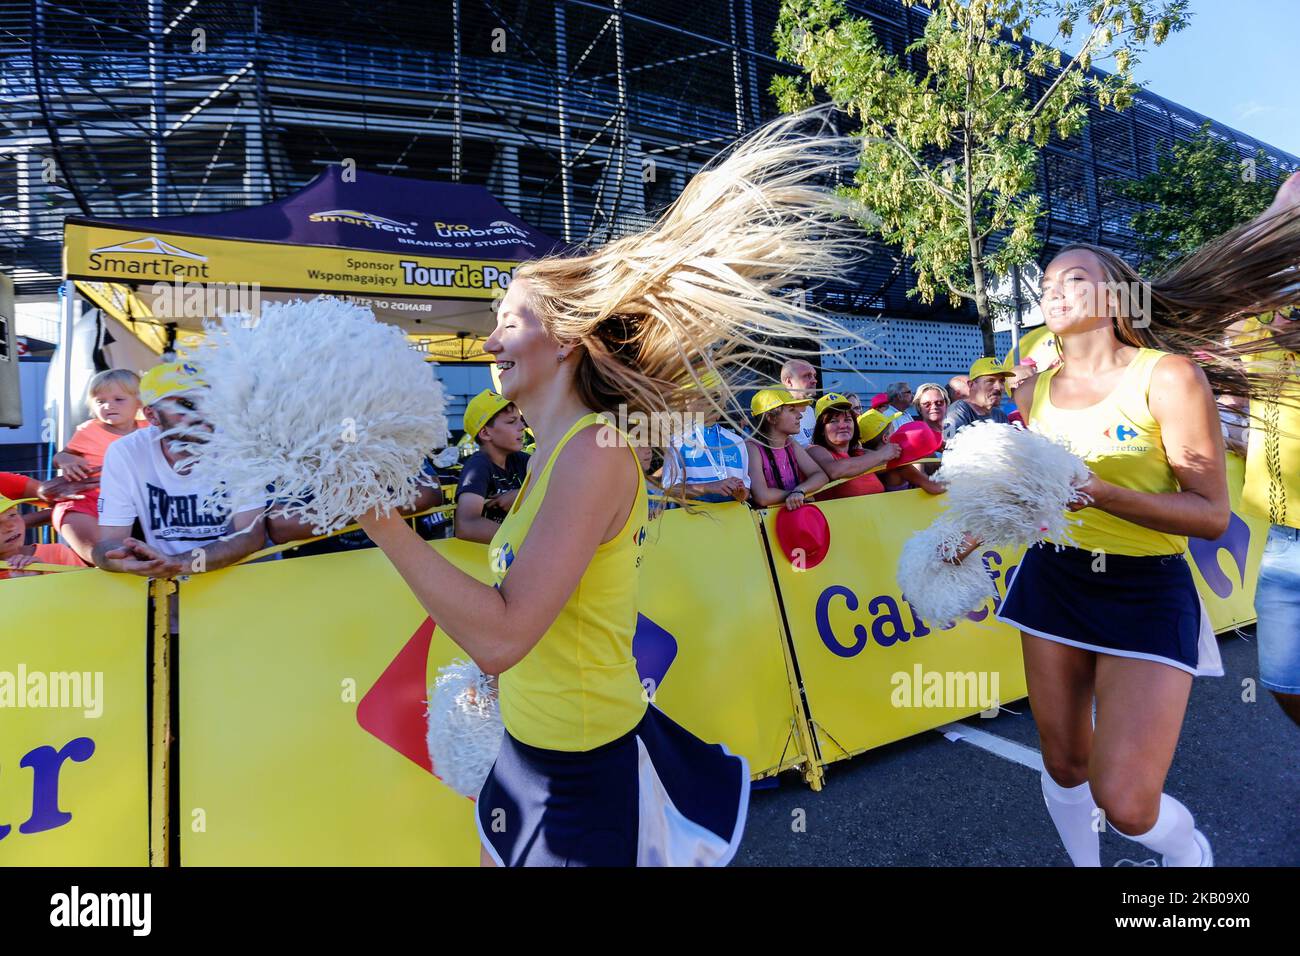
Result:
[368,220]
[393,710]
[148,256]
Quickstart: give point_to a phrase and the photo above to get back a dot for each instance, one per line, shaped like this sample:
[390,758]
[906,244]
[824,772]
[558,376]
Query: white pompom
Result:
[939,590]
[1008,486]
[320,402]
[465,726]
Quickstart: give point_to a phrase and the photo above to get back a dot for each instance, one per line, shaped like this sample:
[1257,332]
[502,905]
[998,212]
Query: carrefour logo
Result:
[149,256]
[368,220]
[501,558]
[1122,433]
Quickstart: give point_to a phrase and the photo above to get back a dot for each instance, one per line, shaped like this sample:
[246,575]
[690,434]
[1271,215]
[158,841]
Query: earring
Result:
[559,358]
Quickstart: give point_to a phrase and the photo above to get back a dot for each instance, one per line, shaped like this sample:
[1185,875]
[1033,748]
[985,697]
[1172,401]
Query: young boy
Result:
[492,476]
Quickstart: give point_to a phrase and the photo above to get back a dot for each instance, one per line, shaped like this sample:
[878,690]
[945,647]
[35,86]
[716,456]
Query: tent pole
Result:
[70,305]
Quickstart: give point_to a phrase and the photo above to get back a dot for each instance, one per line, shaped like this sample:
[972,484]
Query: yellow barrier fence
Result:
[302,685]
[74,775]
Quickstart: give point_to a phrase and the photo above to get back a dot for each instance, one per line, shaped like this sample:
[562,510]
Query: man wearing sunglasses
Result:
[146,479]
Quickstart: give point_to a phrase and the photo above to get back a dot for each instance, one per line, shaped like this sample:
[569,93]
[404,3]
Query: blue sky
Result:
[1237,62]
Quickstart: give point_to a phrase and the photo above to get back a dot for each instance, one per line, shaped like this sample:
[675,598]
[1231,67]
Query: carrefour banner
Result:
[303,682]
[302,689]
[710,645]
[153,257]
[873,670]
[74,741]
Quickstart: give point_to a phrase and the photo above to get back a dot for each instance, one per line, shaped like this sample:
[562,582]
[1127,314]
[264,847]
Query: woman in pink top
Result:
[840,454]
[780,469]
[114,398]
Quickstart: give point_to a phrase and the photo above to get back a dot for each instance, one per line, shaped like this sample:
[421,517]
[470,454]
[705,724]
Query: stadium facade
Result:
[584,116]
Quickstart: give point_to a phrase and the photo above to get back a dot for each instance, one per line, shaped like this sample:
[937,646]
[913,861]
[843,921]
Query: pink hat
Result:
[880,400]
[917,440]
[804,535]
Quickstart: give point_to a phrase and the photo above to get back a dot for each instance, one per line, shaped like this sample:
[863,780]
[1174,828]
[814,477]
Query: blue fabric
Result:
[710,453]
[1131,606]
[1277,602]
[554,808]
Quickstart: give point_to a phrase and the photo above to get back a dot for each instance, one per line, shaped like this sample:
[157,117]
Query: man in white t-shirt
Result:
[799,378]
[145,478]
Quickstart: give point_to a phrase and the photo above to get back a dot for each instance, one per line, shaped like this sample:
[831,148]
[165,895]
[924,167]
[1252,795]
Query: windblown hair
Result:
[1193,306]
[678,316]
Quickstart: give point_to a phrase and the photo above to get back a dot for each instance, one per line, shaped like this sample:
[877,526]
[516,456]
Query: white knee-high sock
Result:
[1172,835]
[1072,810]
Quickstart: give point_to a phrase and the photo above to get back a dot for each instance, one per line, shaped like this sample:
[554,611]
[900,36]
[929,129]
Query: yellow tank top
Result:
[1272,487]
[1120,441]
[578,687]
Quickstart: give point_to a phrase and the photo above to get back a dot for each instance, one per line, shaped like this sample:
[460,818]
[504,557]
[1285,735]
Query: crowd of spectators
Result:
[125,500]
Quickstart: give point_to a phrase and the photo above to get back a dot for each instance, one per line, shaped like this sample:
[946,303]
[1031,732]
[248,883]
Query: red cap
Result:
[804,535]
[917,440]
[879,401]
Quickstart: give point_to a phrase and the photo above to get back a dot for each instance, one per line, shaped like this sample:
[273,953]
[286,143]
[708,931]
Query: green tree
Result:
[1201,188]
[950,151]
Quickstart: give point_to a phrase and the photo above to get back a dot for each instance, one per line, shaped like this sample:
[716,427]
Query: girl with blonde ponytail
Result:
[1116,617]
[589,772]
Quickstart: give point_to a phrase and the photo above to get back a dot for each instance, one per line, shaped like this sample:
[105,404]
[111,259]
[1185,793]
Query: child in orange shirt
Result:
[13,530]
[114,399]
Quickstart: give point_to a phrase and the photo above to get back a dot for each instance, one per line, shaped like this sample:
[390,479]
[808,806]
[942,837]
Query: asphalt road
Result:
[931,801]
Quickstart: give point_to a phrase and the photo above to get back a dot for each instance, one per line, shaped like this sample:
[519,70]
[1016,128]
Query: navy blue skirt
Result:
[657,796]
[1144,607]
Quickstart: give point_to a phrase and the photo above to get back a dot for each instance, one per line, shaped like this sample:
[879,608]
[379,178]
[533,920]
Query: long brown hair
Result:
[1192,308]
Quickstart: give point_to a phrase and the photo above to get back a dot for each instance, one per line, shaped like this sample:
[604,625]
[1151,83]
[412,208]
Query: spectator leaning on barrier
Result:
[931,405]
[780,469]
[19,554]
[146,479]
[708,463]
[493,475]
[873,433]
[799,378]
[837,449]
[987,386]
[114,400]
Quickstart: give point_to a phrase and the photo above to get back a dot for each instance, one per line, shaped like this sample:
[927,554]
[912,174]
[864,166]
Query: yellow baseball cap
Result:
[871,423]
[767,399]
[170,378]
[480,410]
[831,400]
[989,366]
[8,504]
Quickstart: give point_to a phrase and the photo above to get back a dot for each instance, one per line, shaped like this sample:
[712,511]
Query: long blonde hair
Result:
[1194,305]
[677,316]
